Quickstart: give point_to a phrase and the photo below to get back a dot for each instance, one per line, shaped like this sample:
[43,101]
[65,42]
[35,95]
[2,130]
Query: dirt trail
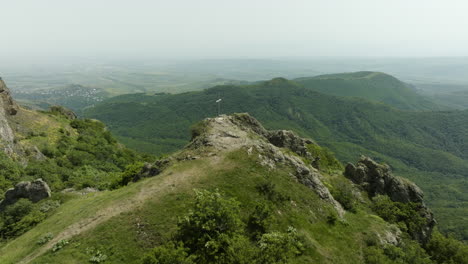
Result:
[149,190]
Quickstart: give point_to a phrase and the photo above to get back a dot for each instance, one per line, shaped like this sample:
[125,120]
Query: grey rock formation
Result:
[152,169]
[377,179]
[288,139]
[33,191]
[69,114]
[8,104]
[243,131]
[8,107]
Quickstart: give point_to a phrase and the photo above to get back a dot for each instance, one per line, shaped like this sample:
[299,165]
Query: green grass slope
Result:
[375,86]
[427,147]
[125,224]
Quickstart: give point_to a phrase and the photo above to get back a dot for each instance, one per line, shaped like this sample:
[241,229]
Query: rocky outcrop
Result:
[33,191]
[377,179]
[8,107]
[152,169]
[243,131]
[288,139]
[67,113]
[8,104]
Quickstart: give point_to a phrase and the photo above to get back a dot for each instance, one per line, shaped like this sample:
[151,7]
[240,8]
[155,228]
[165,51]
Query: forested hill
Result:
[428,147]
[375,86]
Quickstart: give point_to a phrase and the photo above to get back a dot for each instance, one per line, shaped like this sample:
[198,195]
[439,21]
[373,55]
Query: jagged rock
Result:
[67,113]
[37,154]
[8,107]
[151,170]
[8,104]
[288,139]
[248,122]
[33,191]
[243,131]
[377,179]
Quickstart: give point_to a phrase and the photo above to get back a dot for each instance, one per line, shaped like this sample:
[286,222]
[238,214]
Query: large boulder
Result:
[288,139]
[8,108]
[152,169]
[67,113]
[33,191]
[7,102]
[377,179]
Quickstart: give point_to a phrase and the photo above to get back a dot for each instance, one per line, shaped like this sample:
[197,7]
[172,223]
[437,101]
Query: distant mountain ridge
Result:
[375,86]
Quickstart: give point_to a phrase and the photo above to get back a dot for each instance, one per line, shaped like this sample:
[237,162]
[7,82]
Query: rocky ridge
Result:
[8,107]
[241,131]
[377,179]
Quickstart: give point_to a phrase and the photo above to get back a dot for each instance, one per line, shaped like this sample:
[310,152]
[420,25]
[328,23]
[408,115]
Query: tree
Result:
[208,229]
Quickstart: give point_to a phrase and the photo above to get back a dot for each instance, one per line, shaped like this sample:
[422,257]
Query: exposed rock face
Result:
[243,131]
[287,139]
[8,107]
[33,191]
[152,169]
[69,114]
[8,104]
[377,179]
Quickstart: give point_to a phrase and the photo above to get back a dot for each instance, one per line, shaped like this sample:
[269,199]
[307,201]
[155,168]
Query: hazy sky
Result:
[232,28]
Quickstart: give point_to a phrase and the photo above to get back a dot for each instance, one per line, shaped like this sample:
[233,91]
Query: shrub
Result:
[270,191]
[130,173]
[206,230]
[332,218]
[342,191]
[406,215]
[407,252]
[278,247]
[259,220]
[44,239]
[326,158]
[446,249]
[59,245]
[96,255]
[198,129]
[213,233]
[169,253]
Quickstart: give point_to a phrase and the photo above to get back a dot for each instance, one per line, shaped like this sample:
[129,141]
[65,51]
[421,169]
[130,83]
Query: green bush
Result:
[342,191]
[213,232]
[270,191]
[169,253]
[44,239]
[279,247]
[446,249]
[326,158]
[406,215]
[59,245]
[406,252]
[259,221]
[206,230]
[198,129]
[128,175]
[96,255]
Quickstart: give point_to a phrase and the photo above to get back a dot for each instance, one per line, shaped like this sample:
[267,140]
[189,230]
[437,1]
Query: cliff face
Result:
[8,107]
[377,179]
